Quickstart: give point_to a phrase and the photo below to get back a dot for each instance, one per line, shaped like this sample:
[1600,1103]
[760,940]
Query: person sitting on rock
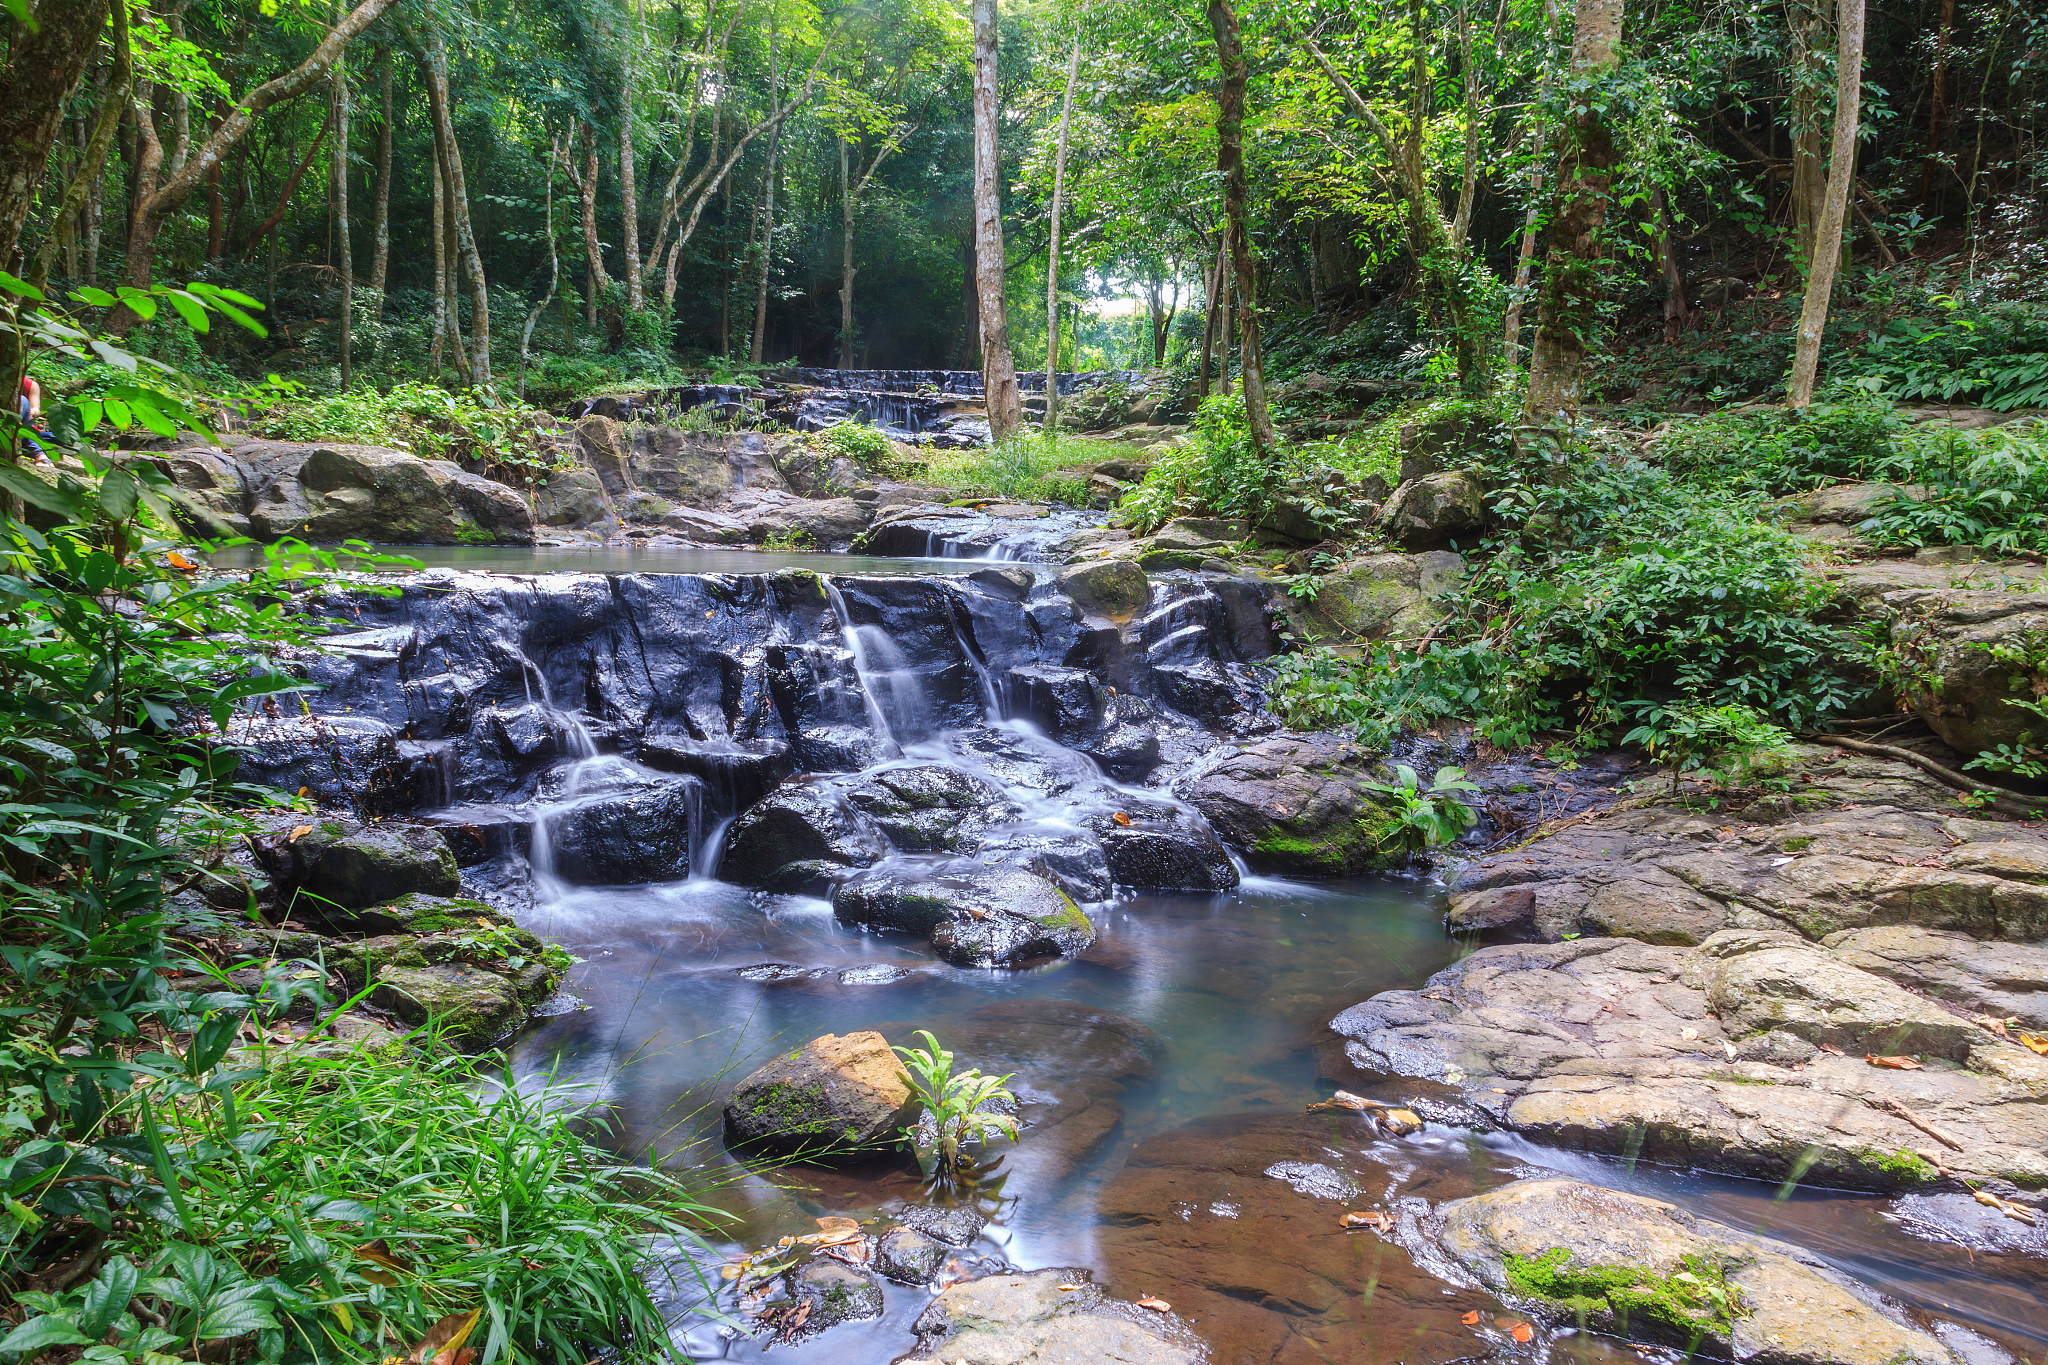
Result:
[32,418]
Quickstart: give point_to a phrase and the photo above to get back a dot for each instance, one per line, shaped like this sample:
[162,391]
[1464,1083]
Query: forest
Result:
[1020,680]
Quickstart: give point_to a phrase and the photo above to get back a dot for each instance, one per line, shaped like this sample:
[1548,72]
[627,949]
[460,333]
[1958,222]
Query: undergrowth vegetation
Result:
[430,422]
[1031,466]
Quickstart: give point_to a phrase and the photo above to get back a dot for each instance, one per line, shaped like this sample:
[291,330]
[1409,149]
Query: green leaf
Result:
[236,1316]
[39,1334]
[20,288]
[106,1298]
[25,485]
[98,298]
[89,412]
[188,308]
[143,304]
[117,495]
[113,355]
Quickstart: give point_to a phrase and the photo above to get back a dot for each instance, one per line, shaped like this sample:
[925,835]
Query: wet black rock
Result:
[1073,862]
[1207,692]
[798,839]
[1126,744]
[908,1256]
[929,807]
[1154,845]
[735,775]
[351,763]
[1065,702]
[976,916]
[954,1227]
[625,838]
[836,1293]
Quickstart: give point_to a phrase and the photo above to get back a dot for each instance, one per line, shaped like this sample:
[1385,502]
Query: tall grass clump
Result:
[1030,466]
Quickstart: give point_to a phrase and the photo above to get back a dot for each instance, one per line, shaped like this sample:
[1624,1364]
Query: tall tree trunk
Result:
[1212,312]
[629,190]
[1937,99]
[1223,322]
[1827,249]
[154,202]
[998,368]
[767,245]
[1525,259]
[846,269]
[554,266]
[1667,261]
[1809,138]
[92,162]
[1571,281]
[345,255]
[1236,197]
[440,231]
[36,82]
[380,222]
[594,278]
[458,204]
[1052,257]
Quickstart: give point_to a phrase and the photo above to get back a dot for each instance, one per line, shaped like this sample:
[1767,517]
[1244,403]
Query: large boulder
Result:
[1380,597]
[1040,1318]
[1429,511]
[624,838]
[1690,1056]
[830,524]
[337,863]
[1643,1270]
[574,498]
[1970,658]
[468,1005]
[835,1094]
[1293,805]
[1156,846]
[799,839]
[2001,980]
[1111,587]
[327,493]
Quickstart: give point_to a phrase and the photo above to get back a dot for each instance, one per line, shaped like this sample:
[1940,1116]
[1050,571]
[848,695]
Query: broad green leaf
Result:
[188,308]
[143,304]
[39,1334]
[113,355]
[117,495]
[25,485]
[19,287]
[119,414]
[98,298]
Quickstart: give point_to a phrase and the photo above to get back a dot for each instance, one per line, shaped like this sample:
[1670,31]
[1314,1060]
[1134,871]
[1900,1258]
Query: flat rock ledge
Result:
[1828,981]
[1579,1255]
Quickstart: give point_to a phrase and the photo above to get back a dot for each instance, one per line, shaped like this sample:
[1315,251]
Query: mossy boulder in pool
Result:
[832,1096]
[976,916]
[1617,1263]
[836,1293]
[1295,806]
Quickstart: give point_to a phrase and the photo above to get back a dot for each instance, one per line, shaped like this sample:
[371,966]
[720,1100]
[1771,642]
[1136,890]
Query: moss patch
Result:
[1695,1300]
[1902,1167]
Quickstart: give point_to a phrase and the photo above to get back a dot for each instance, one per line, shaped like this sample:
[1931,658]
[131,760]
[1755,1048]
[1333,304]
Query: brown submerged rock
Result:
[1028,1319]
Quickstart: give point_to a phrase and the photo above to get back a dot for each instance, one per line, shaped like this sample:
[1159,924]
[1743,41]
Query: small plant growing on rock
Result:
[954,1103]
[1425,819]
[1725,739]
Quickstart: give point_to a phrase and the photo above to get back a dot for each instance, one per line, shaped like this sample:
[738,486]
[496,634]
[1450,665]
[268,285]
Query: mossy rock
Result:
[471,1007]
[834,1095]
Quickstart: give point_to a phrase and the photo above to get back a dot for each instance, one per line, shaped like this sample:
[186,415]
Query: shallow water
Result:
[625,558]
[1162,1186]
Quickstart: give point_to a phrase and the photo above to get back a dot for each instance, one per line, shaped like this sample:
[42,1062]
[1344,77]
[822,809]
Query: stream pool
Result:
[1189,1183]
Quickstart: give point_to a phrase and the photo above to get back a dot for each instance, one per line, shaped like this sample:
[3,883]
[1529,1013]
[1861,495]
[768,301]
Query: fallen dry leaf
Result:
[2035,1042]
[1893,1063]
[444,1339]
[1990,1024]
[1523,1333]
[1156,1305]
[1832,1050]
[179,561]
[1121,818]
[1687,1035]
[1401,1122]
[1070,1288]
[297,831]
[379,1253]
[1471,1319]
[2017,1212]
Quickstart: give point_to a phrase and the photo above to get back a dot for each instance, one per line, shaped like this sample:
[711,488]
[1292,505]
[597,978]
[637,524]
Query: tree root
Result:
[2002,800]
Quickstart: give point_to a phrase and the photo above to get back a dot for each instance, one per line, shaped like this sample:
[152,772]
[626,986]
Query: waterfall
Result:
[864,643]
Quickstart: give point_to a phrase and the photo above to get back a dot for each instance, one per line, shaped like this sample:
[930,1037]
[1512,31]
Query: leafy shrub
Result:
[866,446]
[1215,471]
[1983,488]
[1996,356]
[1031,466]
[1688,737]
[431,1192]
[1426,818]
[1783,450]
[429,421]
[1625,588]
